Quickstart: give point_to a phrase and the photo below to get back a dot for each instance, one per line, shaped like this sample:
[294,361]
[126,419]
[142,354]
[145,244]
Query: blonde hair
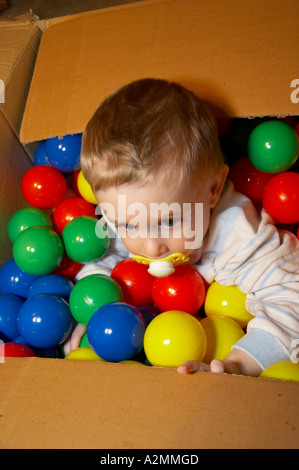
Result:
[147,127]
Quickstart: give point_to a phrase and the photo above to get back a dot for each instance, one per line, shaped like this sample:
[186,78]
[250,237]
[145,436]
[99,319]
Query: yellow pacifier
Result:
[162,267]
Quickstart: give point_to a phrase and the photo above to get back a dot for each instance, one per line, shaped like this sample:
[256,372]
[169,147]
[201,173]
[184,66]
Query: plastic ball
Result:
[221,333]
[84,341]
[248,180]
[40,155]
[43,186]
[9,308]
[84,240]
[149,312]
[70,209]
[13,280]
[45,320]
[115,332]
[15,350]
[90,293]
[281,197]
[173,338]
[282,370]
[83,354]
[183,290]
[273,147]
[25,218]
[68,268]
[64,152]
[51,284]
[227,301]
[85,190]
[38,250]
[135,281]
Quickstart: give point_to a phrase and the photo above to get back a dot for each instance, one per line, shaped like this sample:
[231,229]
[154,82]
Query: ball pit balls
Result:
[281,197]
[85,239]
[15,350]
[68,268]
[9,308]
[64,152]
[90,293]
[70,209]
[38,250]
[248,180]
[135,281]
[221,333]
[25,218]
[51,284]
[83,354]
[173,338]
[44,320]
[227,301]
[273,146]
[282,370]
[40,155]
[171,292]
[13,280]
[43,186]
[85,190]
[115,332]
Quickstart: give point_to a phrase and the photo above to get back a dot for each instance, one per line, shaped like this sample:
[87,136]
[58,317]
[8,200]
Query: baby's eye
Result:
[171,222]
[127,227]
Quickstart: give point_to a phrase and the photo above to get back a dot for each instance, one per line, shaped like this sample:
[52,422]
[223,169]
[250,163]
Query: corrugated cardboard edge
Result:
[54,403]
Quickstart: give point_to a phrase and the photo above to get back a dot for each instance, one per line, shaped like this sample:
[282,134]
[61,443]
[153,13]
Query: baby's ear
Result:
[217,183]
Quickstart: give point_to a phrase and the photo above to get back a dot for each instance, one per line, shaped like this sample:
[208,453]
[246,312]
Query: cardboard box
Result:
[240,55]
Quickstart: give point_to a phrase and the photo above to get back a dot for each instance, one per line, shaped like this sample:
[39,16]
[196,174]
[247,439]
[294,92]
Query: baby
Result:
[154,144]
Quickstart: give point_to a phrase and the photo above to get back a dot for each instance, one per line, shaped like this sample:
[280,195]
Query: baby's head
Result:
[154,142]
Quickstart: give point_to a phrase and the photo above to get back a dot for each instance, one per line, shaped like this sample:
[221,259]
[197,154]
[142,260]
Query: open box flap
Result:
[241,56]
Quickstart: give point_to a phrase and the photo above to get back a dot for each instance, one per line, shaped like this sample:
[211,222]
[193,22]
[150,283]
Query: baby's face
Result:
[155,221]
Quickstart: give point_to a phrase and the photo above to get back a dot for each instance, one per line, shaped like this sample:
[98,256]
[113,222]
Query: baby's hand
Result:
[74,341]
[236,362]
[216,366]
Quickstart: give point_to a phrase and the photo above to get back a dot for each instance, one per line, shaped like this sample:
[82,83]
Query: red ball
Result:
[281,197]
[183,290]
[248,180]
[68,268]
[15,350]
[70,209]
[135,282]
[43,186]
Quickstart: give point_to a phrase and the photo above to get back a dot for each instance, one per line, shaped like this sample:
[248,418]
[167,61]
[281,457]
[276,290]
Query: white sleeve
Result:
[247,250]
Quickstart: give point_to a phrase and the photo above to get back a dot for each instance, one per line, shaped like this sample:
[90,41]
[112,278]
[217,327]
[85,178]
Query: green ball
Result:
[90,293]
[85,239]
[273,147]
[38,250]
[84,341]
[25,218]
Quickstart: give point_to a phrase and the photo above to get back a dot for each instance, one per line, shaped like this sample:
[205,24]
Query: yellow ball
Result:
[85,353]
[283,370]
[174,337]
[221,333]
[85,189]
[228,301]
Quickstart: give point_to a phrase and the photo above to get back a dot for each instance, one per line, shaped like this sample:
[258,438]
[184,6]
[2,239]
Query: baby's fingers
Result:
[192,366]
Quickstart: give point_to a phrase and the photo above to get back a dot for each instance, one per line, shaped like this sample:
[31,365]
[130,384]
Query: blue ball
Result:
[9,308]
[115,332]
[64,152]
[13,280]
[45,320]
[40,155]
[51,284]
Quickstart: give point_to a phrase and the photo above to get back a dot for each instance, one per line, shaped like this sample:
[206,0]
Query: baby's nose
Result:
[154,248]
